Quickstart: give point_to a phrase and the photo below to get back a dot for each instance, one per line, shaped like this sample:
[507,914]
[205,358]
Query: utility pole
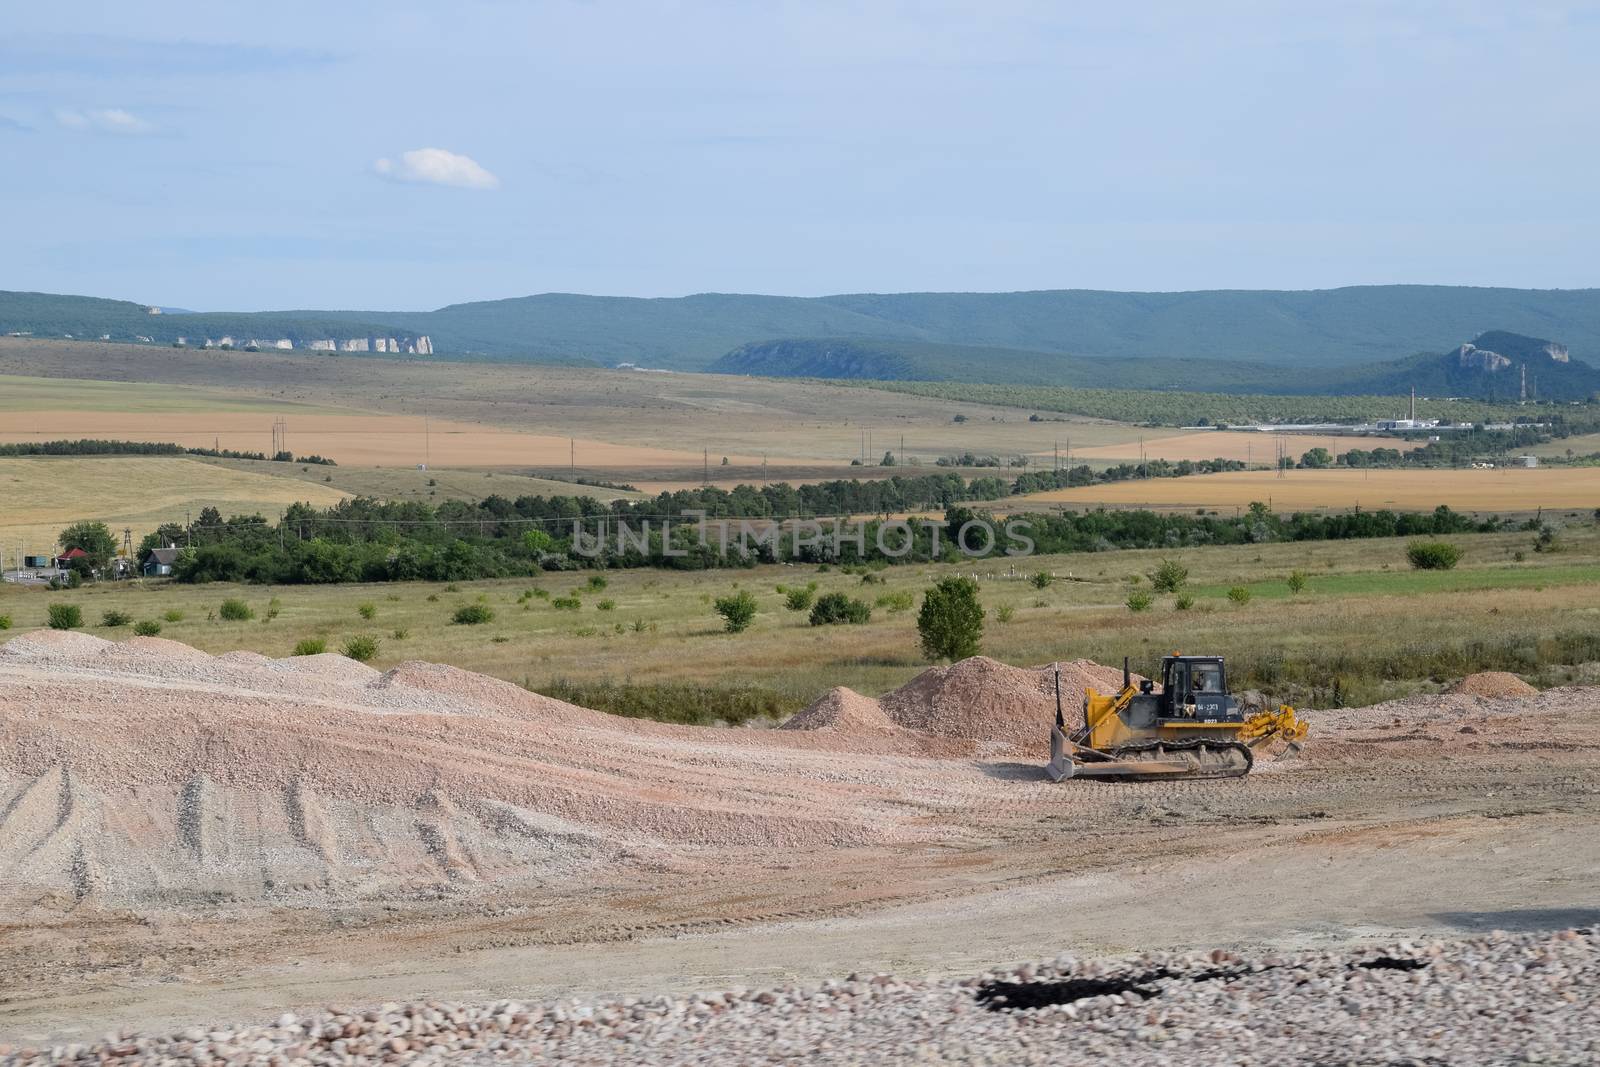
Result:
[705,466]
[572,461]
[763,468]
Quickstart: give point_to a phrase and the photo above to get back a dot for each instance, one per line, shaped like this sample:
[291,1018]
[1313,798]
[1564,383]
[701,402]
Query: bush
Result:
[400,634]
[367,611]
[1239,595]
[361,648]
[679,702]
[1296,581]
[236,611]
[950,623]
[896,602]
[172,615]
[310,646]
[598,582]
[1184,602]
[115,618]
[1005,613]
[473,614]
[1042,579]
[1433,555]
[147,628]
[836,608]
[737,610]
[606,605]
[1169,577]
[5,622]
[799,599]
[65,617]
[1140,600]
[566,603]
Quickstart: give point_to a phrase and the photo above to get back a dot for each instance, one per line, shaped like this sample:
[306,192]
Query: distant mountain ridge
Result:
[1296,332]
[1487,368]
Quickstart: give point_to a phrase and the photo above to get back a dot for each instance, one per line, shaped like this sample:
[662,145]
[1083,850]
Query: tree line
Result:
[95,447]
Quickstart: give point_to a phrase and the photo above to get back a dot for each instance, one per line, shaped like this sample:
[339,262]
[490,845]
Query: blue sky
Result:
[408,155]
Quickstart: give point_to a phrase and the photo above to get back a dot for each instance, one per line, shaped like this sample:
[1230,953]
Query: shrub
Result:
[1139,600]
[1433,555]
[361,647]
[115,618]
[473,614]
[1169,577]
[235,610]
[1184,602]
[950,623]
[836,608]
[1239,595]
[799,599]
[310,646]
[147,628]
[738,610]
[1296,581]
[566,603]
[1005,613]
[5,622]
[598,582]
[400,633]
[367,611]
[680,702]
[172,615]
[606,605]
[433,598]
[1042,579]
[896,602]
[65,617]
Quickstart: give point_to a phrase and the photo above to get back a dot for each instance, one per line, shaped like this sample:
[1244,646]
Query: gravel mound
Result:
[149,775]
[1492,1000]
[329,666]
[59,644]
[845,710]
[1501,684]
[995,707]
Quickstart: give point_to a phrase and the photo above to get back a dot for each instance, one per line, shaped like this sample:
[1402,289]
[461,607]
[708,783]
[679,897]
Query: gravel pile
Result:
[1492,1000]
[1493,684]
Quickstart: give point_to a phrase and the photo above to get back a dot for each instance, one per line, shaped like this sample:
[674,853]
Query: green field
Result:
[1365,620]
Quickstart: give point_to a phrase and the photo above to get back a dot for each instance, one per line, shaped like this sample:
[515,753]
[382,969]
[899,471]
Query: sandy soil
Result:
[186,838]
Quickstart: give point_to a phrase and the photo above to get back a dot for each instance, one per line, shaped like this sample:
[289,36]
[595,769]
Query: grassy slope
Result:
[1365,619]
[434,485]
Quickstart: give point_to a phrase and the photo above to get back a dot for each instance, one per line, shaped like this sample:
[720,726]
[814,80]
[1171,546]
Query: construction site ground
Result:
[193,840]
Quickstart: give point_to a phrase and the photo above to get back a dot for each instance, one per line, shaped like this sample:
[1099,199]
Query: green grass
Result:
[1397,582]
[1374,633]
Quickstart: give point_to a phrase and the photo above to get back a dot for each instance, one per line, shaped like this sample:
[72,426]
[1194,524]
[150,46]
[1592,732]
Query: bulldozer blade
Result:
[1061,765]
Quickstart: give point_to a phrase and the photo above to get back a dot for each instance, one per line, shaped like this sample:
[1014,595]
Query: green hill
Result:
[922,361]
[1329,328]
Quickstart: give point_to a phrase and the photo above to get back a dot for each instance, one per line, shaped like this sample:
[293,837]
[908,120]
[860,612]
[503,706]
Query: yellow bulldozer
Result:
[1192,727]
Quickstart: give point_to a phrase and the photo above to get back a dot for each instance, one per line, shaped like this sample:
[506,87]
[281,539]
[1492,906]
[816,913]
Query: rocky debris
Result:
[1490,1000]
[1500,684]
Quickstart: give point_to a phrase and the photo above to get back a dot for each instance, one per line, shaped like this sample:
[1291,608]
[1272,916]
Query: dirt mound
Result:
[243,657]
[1498,684]
[995,707]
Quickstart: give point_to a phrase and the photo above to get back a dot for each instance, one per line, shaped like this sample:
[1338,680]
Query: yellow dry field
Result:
[1232,444]
[1503,490]
[374,440]
[41,494]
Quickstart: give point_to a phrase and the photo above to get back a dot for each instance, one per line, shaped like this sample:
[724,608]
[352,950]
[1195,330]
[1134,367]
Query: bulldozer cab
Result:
[1195,688]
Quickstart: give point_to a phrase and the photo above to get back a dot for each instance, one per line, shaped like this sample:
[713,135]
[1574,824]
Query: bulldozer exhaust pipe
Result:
[1127,678]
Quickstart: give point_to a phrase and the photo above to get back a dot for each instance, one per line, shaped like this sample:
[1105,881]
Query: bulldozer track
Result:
[1213,759]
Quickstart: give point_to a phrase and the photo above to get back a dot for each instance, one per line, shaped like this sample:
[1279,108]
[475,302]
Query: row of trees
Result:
[96,447]
[338,545]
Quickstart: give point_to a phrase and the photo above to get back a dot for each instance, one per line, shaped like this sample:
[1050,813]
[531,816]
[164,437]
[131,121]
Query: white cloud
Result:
[102,120]
[436,166]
